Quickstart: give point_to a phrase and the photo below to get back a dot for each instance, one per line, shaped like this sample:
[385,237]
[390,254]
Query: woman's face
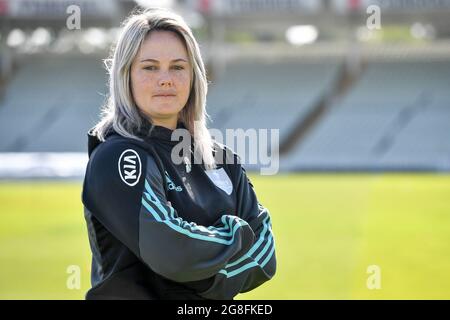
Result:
[160,77]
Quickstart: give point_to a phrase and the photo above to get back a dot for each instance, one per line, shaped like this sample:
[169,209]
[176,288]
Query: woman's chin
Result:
[165,113]
[164,109]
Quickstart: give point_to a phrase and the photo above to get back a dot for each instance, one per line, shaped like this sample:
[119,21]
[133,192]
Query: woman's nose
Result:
[165,79]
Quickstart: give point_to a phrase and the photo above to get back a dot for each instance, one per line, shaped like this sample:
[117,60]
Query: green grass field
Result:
[328,229]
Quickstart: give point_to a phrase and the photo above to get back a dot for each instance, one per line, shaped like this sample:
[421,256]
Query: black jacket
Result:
[213,241]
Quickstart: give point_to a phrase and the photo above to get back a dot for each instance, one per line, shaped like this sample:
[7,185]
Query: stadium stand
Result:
[383,123]
[395,118]
[50,103]
[268,95]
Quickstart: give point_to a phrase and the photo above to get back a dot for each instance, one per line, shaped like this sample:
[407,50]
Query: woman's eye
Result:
[151,68]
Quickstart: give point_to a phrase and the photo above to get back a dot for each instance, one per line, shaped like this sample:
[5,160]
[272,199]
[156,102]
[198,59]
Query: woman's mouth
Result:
[165,96]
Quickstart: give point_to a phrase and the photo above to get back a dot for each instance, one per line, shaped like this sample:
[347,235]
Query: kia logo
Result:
[130,167]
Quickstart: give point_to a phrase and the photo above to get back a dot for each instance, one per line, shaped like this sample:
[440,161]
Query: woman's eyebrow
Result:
[157,61]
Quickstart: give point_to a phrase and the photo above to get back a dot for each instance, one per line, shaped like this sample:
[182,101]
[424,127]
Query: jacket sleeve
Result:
[138,215]
[258,264]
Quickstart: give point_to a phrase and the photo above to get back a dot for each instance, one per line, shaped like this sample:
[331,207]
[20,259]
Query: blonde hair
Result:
[120,111]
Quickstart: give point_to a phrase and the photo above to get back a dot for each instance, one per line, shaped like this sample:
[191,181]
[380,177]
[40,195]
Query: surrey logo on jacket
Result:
[130,167]
[220,178]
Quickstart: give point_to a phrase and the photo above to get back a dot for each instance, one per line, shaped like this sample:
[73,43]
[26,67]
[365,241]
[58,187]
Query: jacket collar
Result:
[147,133]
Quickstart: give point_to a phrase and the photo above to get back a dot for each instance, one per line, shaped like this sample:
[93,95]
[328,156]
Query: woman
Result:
[158,229]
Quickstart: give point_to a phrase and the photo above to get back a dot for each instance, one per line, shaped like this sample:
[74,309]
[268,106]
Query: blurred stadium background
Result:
[363,112]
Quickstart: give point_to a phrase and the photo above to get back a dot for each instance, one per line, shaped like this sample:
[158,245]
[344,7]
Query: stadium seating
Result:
[50,103]
[268,95]
[396,117]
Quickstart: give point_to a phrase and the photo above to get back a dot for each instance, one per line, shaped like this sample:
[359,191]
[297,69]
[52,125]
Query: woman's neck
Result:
[167,123]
